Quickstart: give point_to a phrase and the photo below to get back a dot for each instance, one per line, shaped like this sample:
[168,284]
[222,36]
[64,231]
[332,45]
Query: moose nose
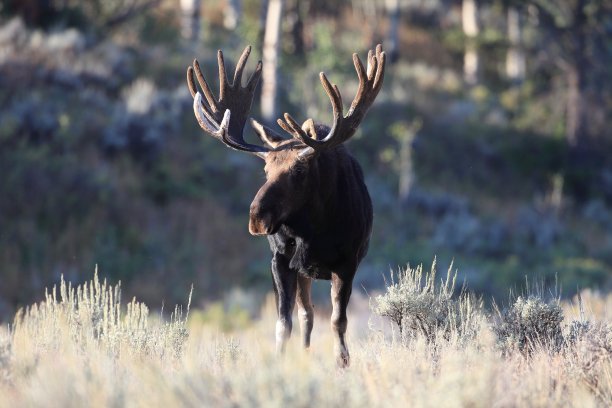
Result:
[259,219]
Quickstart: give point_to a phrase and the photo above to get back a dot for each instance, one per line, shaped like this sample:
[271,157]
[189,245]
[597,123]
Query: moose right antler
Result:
[370,83]
[224,119]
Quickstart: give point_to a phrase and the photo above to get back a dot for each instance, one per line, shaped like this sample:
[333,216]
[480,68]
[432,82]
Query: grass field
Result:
[81,348]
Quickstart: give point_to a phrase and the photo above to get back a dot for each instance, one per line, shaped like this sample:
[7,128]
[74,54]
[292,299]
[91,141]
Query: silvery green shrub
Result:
[530,322]
[421,307]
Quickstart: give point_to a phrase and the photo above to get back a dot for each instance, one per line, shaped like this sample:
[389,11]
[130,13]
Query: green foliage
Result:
[226,319]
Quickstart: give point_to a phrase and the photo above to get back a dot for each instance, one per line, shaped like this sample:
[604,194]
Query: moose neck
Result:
[334,173]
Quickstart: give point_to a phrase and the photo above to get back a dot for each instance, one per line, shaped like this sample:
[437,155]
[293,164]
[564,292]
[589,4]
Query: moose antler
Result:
[224,118]
[370,82]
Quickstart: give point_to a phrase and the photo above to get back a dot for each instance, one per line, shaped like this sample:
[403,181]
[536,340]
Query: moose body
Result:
[314,207]
[332,228]
[324,239]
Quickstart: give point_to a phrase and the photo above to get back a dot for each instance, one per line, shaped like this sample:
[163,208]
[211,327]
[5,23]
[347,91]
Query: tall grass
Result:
[80,347]
[91,315]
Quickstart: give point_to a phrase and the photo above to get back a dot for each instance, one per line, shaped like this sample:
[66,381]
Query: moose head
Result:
[314,206]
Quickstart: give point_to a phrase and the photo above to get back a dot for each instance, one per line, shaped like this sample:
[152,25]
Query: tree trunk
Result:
[231,14]
[575,123]
[407,178]
[406,170]
[393,9]
[34,12]
[469,20]
[296,27]
[576,130]
[270,60]
[263,12]
[190,19]
[515,58]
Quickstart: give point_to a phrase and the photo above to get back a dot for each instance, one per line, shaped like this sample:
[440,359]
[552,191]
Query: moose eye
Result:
[291,242]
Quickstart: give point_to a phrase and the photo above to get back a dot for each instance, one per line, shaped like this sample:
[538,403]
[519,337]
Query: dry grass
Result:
[82,350]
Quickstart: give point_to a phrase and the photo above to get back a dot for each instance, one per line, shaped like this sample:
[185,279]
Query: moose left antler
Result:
[314,207]
[370,82]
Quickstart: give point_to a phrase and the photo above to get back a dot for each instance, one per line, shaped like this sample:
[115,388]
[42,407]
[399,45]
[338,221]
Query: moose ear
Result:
[267,135]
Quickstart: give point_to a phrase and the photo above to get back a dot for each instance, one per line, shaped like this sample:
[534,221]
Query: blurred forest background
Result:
[490,143]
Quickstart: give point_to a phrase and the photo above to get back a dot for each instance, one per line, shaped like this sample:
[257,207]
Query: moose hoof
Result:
[343,359]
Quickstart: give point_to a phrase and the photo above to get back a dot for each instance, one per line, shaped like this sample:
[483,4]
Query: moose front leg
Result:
[305,309]
[340,294]
[285,286]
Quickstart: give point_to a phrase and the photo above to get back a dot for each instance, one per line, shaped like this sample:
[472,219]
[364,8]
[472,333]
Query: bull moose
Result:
[314,207]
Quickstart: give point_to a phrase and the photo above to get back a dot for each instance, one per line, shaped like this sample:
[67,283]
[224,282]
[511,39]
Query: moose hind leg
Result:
[285,284]
[340,295]
[305,309]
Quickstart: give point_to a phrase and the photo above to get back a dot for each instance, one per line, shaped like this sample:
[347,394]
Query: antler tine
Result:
[363,75]
[290,126]
[298,133]
[222,75]
[380,73]
[372,64]
[210,98]
[254,79]
[284,126]
[361,71]
[240,66]
[193,90]
[204,119]
[334,96]
[337,109]
[191,83]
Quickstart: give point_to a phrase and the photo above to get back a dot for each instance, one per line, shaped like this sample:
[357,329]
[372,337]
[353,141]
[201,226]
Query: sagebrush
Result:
[81,348]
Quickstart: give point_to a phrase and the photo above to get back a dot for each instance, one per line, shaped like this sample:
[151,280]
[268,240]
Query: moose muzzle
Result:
[261,221]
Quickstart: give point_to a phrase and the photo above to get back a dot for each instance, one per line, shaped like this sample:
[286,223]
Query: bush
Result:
[420,307]
[528,324]
[91,314]
[5,353]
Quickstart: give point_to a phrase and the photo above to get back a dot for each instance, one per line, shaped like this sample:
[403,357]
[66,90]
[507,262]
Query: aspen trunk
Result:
[293,18]
[190,19]
[576,131]
[270,60]
[407,176]
[231,15]
[406,171]
[393,9]
[469,21]
[575,122]
[515,59]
